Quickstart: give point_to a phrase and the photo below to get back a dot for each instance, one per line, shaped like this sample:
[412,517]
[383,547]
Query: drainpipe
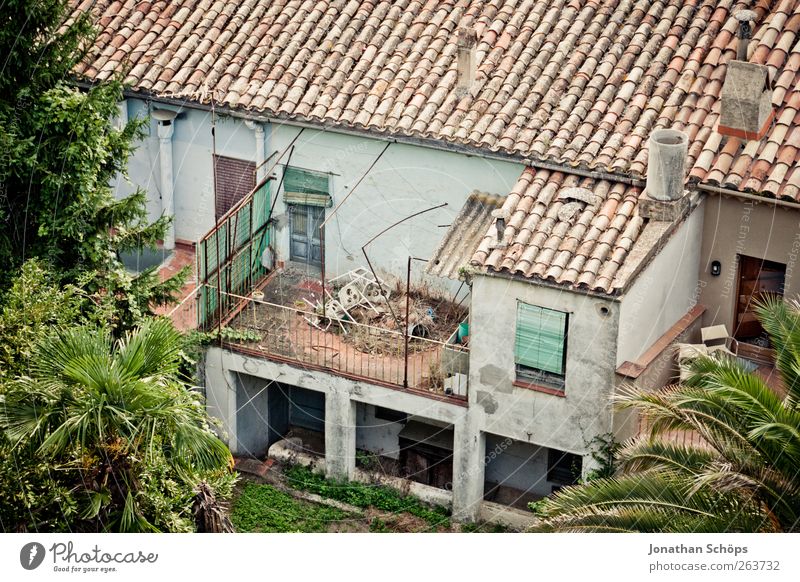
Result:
[166,128]
[258,128]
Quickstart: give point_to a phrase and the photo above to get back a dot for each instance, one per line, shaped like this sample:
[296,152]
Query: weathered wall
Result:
[518,465]
[405,180]
[192,168]
[376,434]
[569,422]
[663,292]
[735,227]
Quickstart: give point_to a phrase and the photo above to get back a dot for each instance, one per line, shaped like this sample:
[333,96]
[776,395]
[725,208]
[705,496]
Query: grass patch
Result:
[263,508]
[363,495]
[484,527]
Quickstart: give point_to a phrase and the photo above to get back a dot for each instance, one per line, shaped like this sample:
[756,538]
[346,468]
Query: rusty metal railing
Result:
[346,348]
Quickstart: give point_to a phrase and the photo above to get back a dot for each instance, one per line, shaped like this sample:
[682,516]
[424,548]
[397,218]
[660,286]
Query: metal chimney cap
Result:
[745,15]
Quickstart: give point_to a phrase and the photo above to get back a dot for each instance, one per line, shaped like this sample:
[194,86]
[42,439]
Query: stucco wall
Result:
[566,423]
[663,292]
[518,465]
[405,180]
[376,434]
[735,227]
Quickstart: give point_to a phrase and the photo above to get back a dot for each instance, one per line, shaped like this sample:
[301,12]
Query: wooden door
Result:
[306,242]
[756,277]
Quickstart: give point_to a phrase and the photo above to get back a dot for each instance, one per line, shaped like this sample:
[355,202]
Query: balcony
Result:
[282,321]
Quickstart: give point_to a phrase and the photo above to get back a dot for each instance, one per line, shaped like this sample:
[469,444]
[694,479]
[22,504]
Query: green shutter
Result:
[540,338]
[305,181]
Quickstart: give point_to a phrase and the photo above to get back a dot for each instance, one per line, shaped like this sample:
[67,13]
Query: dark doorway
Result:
[426,454]
[304,233]
[756,278]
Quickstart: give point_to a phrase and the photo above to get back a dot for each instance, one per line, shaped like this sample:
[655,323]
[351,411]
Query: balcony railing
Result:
[345,348]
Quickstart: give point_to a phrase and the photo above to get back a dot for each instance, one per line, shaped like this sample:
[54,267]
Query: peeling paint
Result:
[491,375]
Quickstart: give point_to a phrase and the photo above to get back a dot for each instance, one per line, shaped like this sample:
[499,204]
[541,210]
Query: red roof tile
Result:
[574,83]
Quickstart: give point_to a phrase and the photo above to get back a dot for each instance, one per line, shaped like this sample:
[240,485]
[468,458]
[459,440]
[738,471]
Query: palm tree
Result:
[116,414]
[743,476]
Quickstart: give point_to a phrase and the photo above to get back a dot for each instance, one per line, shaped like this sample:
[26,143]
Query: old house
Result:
[557,192]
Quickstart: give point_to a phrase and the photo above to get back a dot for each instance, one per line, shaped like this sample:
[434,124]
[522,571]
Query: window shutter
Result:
[305,187]
[234,180]
[540,338]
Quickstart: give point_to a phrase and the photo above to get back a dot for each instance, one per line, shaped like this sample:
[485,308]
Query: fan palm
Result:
[743,475]
[112,410]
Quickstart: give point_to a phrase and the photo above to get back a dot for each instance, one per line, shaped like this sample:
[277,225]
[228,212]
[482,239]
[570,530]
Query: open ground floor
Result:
[433,447]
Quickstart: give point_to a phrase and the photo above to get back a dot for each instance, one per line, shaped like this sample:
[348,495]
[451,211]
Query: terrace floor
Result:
[284,326]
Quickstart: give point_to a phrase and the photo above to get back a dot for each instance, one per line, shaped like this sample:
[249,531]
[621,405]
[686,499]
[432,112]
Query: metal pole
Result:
[216,238]
[405,327]
[322,261]
[369,263]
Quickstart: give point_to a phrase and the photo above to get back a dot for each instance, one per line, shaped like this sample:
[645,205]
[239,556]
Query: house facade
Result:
[505,166]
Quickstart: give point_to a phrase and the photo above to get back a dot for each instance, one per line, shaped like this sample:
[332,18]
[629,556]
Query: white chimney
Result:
[746,110]
[465,61]
[666,164]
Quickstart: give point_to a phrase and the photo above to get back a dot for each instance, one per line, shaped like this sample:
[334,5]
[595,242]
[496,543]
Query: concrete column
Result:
[469,452]
[221,388]
[340,435]
[165,131]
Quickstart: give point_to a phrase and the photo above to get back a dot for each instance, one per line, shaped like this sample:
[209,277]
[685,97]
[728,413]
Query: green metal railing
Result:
[229,256]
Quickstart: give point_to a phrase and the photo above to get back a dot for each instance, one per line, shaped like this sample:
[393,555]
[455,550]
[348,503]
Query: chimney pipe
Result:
[745,18]
[465,62]
[666,164]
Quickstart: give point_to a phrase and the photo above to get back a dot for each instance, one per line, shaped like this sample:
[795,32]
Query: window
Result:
[234,179]
[540,345]
[305,187]
[563,468]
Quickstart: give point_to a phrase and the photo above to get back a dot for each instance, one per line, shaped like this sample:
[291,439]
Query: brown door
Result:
[756,277]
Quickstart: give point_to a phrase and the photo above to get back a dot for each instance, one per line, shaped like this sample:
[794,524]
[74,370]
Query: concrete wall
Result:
[568,422]
[405,180]
[735,227]
[342,396]
[376,434]
[663,292]
[518,465]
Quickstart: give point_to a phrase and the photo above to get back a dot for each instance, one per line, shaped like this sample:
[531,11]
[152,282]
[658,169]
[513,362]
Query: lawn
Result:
[265,509]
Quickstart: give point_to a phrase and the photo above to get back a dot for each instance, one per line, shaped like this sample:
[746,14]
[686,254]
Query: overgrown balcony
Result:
[286,321]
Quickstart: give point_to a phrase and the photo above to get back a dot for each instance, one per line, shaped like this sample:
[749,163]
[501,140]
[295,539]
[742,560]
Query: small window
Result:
[563,468]
[540,351]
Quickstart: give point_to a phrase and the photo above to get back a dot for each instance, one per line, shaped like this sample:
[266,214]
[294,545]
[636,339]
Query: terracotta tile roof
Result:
[564,229]
[574,232]
[578,83]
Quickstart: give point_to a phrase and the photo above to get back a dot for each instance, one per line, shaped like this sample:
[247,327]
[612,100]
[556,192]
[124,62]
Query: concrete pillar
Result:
[469,452]
[221,389]
[340,435]
[165,131]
